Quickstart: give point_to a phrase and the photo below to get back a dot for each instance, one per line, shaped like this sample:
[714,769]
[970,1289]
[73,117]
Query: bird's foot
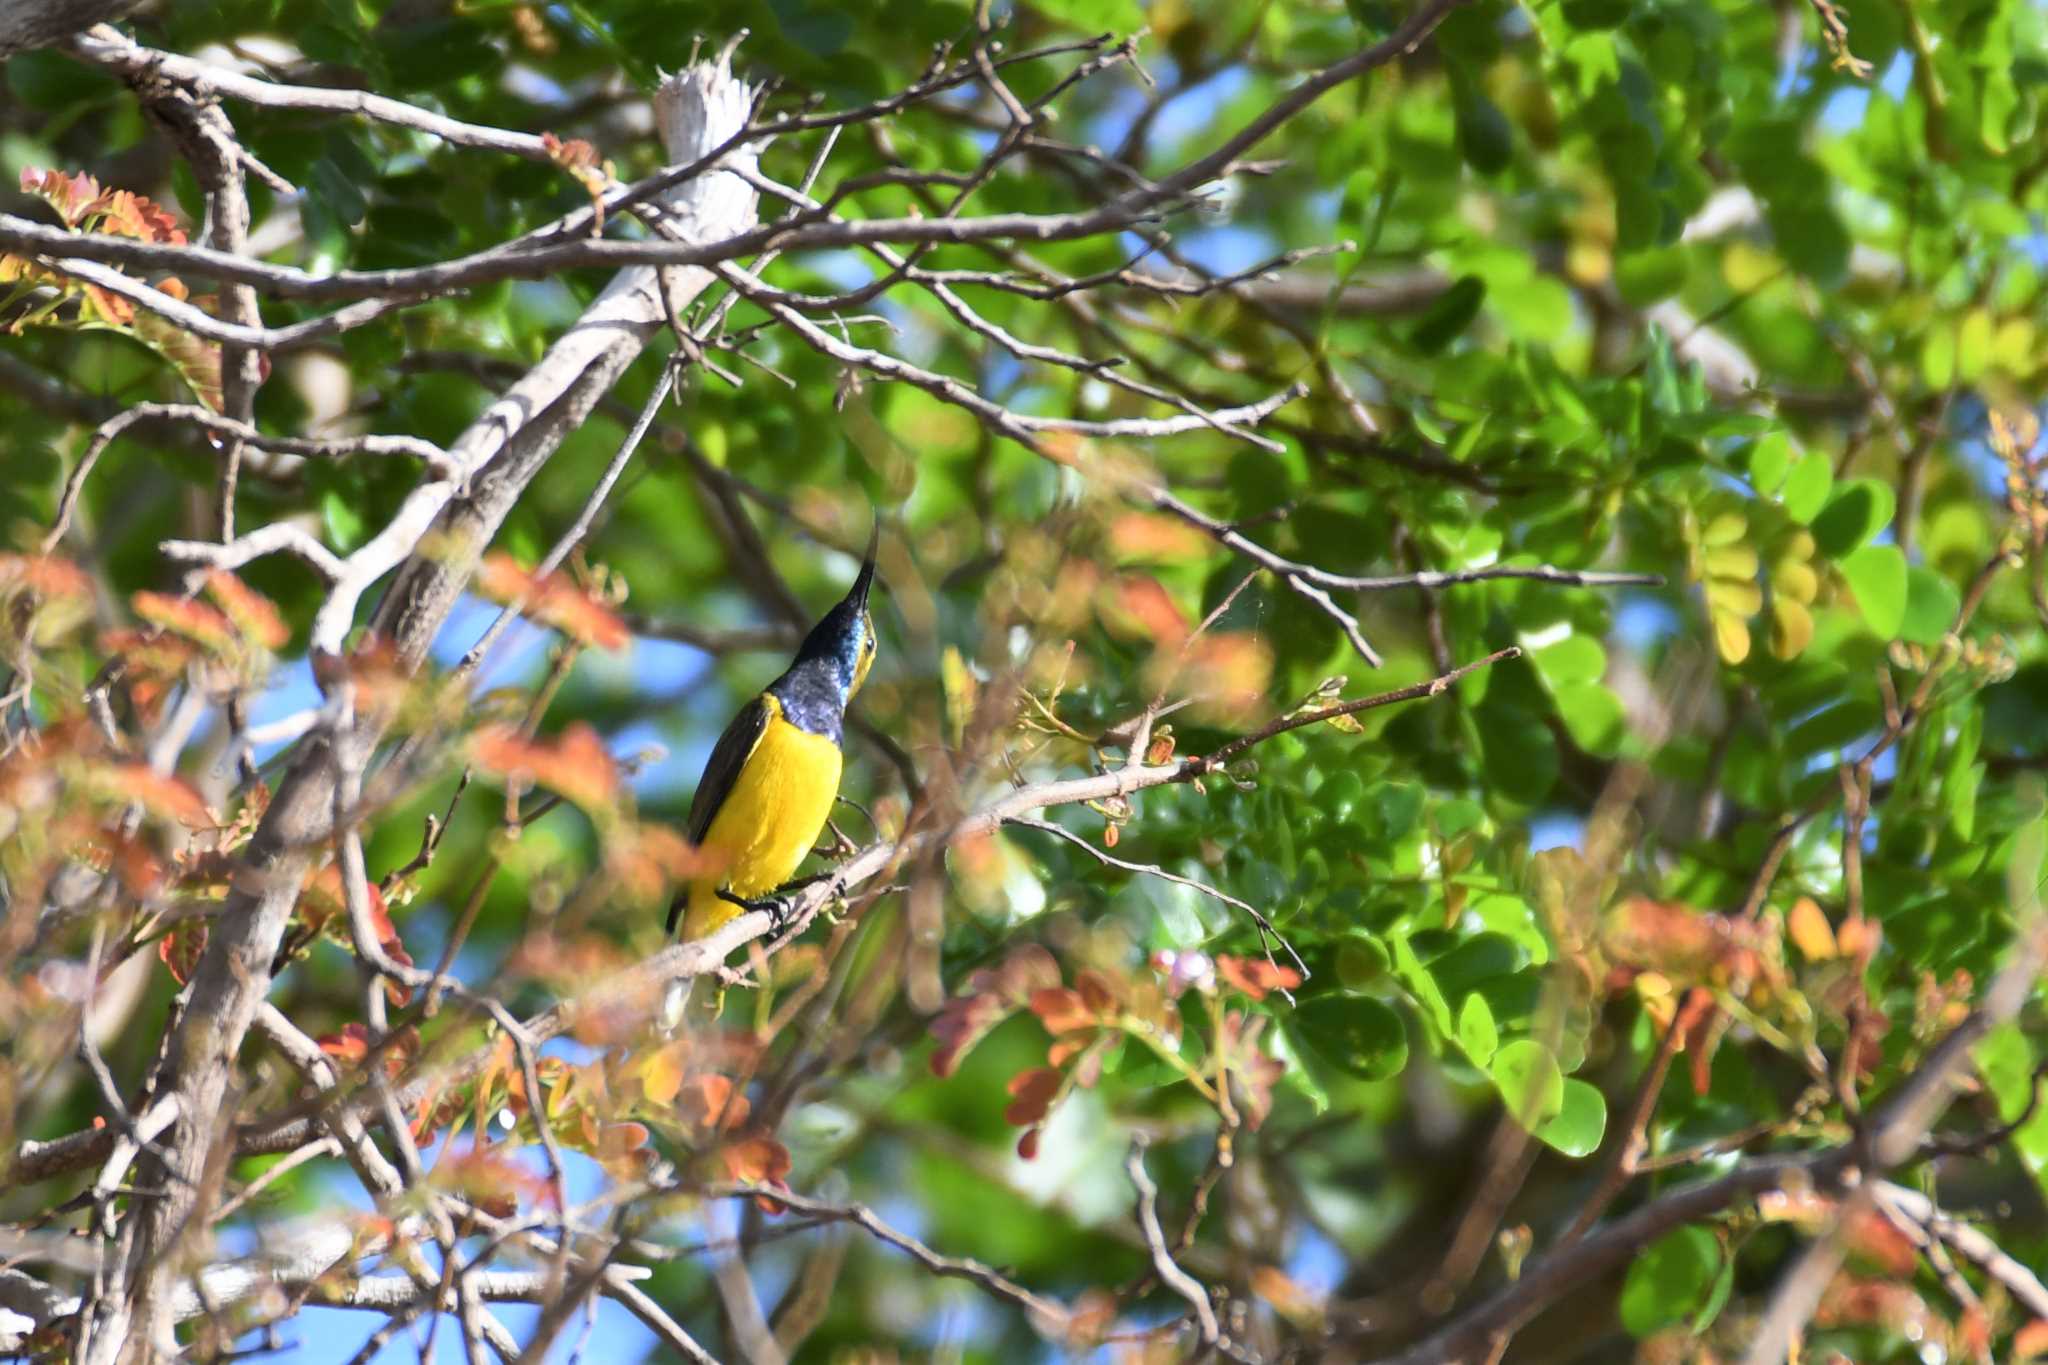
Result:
[779,909]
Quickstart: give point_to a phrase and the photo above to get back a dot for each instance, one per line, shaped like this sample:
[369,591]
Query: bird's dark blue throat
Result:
[815,690]
[812,696]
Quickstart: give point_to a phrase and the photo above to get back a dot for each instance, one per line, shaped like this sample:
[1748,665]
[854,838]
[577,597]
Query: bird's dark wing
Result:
[722,770]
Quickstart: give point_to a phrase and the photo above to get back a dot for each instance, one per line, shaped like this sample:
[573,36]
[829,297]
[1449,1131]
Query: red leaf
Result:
[1097,992]
[961,1023]
[995,993]
[1062,1010]
[1032,1095]
[571,154]
[351,1045]
[179,950]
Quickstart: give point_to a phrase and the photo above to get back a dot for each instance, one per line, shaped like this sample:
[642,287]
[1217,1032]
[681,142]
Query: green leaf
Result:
[1485,139]
[1858,510]
[2008,1059]
[1421,985]
[1580,1122]
[1576,658]
[1973,345]
[1938,355]
[1390,810]
[1476,1031]
[1305,1068]
[1770,460]
[1717,1297]
[1341,796]
[1877,575]
[1362,961]
[343,521]
[1529,1080]
[1479,958]
[1593,716]
[1361,1035]
[1450,313]
[1931,606]
[1644,277]
[1959,799]
[1810,235]
[1595,14]
[1519,752]
[1806,487]
[1094,16]
[1669,1281]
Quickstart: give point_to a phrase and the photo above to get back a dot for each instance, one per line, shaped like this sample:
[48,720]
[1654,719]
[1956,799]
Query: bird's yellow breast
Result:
[768,821]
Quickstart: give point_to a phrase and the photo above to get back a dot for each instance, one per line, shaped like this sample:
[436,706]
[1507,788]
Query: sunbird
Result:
[770,782]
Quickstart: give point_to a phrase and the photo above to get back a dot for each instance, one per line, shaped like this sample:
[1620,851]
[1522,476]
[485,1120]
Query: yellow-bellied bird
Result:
[774,773]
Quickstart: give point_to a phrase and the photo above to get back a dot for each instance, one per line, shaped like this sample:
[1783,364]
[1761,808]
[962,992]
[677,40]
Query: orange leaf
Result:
[1097,992]
[255,615]
[661,1073]
[576,765]
[617,1139]
[1032,1093]
[1858,939]
[555,600]
[351,1045]
[170,798]
[757,1159]
[1140,606]
[1061,1010]
[1288,1296]
[708,1099]
[46,575]
[194,620]
[572,154]
[1150,535]
[1229,671]
[70,195]
[1255,976]
[1811,933]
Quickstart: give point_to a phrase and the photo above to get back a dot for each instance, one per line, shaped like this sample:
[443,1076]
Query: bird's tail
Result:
[700,910]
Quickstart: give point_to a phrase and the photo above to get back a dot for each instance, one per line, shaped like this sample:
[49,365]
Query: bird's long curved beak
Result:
[858,594]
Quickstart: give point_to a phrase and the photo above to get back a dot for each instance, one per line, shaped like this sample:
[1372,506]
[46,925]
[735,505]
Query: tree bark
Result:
[700,109]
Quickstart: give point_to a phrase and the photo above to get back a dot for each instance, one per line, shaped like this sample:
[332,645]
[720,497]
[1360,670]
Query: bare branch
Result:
[279,537]
[110,48]
[1163,1265]
[1048,1313]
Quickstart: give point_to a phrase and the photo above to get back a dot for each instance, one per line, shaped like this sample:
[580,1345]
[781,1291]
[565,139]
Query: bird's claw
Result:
[779,909]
